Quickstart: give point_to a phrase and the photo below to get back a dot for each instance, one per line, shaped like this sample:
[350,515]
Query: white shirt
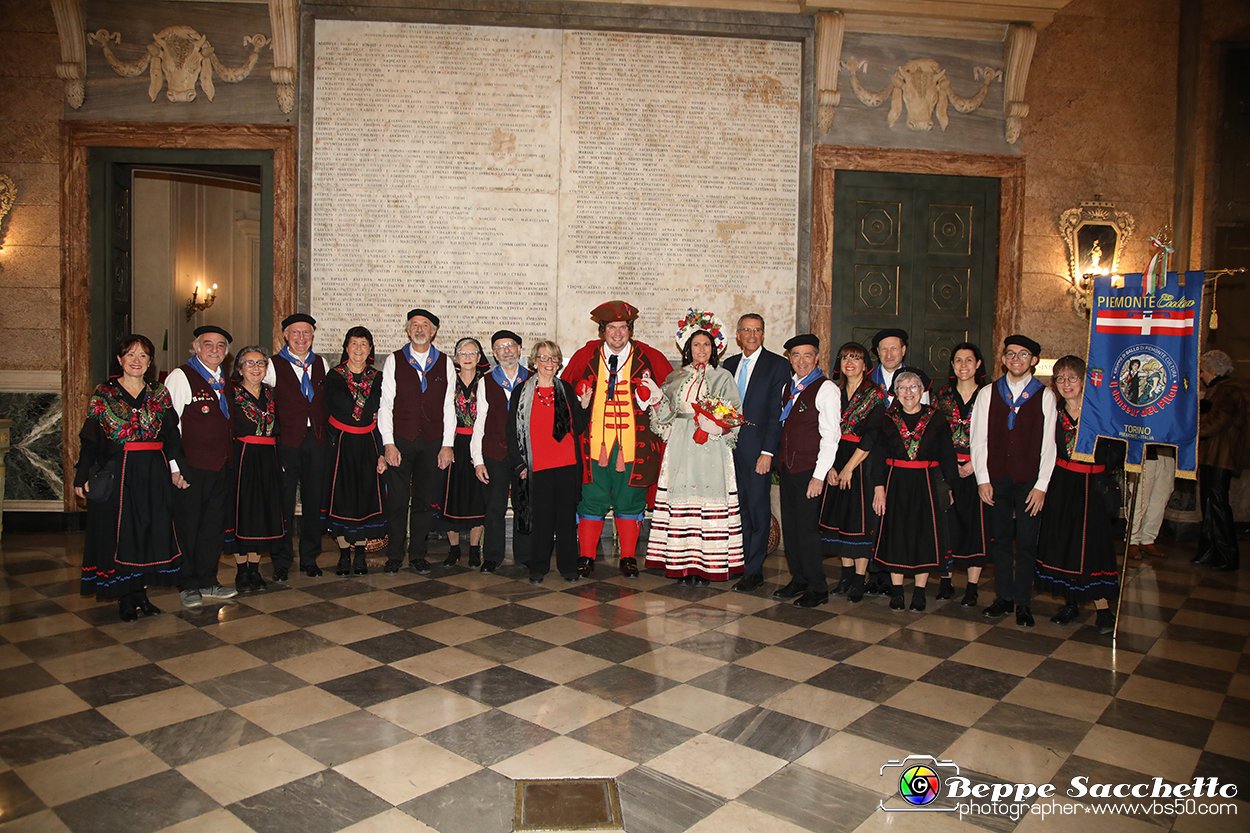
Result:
[479,424]
[386,413]
[747,365]
[829,407]
[271,375]
[179,387]
[621,358]
[980,432]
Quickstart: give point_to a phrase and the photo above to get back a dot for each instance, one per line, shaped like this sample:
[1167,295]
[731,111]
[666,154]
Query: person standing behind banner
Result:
[848,523]
[462,504]
[760,376]
[1075,553]
[200,394]
[966,520]
[417,437]
[297,376]
[811,429]
[488,448]
[353,512]
[1155,484]
[254,506]
[1222,436]
[1013,455]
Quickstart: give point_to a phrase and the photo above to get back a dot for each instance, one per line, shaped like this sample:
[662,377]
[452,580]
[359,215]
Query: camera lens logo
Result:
[919,785]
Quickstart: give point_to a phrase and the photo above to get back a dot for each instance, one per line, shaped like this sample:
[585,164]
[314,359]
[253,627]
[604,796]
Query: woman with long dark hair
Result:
[969,538]
[353,511]
[1075,558]
[127,440]
[254,506]
[696,530]
[848,526]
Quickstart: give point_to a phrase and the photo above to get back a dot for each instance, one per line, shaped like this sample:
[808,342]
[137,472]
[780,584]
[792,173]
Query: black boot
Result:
[242,578]
[844,586]
[970,596]
[453,556]
[946,590]
[258,583]
[362,569]
[918,600]
[143,605]
[1104,620]
[475,555]
[344,567]
[896,597]
[856,593]
[127,609]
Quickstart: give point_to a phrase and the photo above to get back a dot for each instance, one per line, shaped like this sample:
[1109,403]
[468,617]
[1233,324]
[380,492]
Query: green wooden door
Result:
[917,252]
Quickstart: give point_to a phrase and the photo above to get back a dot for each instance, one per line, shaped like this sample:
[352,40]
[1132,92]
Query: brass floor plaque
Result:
[567,804]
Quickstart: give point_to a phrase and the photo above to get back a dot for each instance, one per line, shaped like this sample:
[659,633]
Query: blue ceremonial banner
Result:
[1142,380]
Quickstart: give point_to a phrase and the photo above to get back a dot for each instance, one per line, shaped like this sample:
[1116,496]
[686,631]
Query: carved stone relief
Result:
[922,86]
[73,66]
[179,57]
[830,27]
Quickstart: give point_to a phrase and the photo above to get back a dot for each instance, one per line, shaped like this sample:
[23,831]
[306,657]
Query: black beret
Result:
[213,328]
[800,340]
[1025,342]
[892,332]
[298,318]
[425,313]
[505,334]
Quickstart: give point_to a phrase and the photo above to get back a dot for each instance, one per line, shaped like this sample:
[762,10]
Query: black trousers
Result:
[502,479]
[800,527]
[304,467]
[1010,523]
[553,499]
[756,511]
[200,521]
[1217,538]
[410,483]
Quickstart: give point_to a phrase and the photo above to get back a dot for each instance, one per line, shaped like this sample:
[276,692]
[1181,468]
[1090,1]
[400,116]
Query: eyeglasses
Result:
[501,346]
[1018,354]
[911,388]
[548,359]
[467,354]
[255,362]
[751,331]
[1067,379]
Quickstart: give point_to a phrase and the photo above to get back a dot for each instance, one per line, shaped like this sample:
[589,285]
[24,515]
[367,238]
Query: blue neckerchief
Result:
[502,378]
[218,385]
[1031,389]
[798,387]
[305,377]
[421,371]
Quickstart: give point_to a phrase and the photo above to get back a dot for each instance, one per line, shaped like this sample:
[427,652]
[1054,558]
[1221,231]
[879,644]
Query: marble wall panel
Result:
[34,460]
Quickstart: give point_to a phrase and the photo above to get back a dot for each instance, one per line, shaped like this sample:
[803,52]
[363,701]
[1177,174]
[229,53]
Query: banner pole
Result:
[1128,537]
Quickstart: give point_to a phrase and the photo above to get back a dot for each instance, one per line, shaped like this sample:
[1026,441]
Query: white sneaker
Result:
[218,591]
[191,598]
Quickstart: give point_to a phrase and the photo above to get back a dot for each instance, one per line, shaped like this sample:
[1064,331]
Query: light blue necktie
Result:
[742,378]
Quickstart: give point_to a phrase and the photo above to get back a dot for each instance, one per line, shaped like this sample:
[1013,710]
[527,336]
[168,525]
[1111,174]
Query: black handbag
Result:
[102,481]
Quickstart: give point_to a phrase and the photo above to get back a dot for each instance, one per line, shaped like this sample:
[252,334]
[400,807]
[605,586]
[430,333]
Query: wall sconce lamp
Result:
[8,196]
[195,305]
[1095,234]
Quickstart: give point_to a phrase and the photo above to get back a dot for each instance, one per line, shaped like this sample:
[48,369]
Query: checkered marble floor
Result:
[411,703]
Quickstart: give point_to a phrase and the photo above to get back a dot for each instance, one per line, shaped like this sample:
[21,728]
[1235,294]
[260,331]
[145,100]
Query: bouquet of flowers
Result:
[719,411]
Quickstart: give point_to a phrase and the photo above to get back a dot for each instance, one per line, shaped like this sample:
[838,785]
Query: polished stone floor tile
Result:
[148,804]
[352,629]
[247,770]
[823,645]
[52,738]
[1098,772]
[37,706]
[895,727]
[421,591]
[479,803]
[1195,676]
[23,678]
[151,711]
[394,647]
[812,800]
[1228,769]
[338,590]
[983,682]
[692,707]
[623,685]
[329,664]
[716,765]
[60,780]
[563,757]
[196,668]
[293,709]
[1062,734]
[17,799]
[252,684]
[773,733]
[820,706]
[1158,723]
[190,740]
[428,709]
[64,644]
[1074,675]
[498,686]
[652,802]
[323,802]
[442,665]
[284,646]
[158,648]
[124,684]
[635,735]
[894,661]
[856,760]
[675,663]
[561,709]
[505,646]
[1006,759]
[510,616]
[1016,639]
[741,683]
[921,642]
[490,737]
[560,665]
[1128,749]
[863,683]
[346,738]
[411,615]
[720,646]
[782,662]
[456,630]
[612,646]
[406,770]
[376,685]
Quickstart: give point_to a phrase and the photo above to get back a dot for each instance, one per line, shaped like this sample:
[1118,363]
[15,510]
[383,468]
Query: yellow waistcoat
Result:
[612,422]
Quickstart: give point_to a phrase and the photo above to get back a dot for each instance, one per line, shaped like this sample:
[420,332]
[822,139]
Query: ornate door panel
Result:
[917,252]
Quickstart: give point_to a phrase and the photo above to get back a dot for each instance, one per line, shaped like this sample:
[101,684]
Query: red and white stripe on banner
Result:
[1145,323]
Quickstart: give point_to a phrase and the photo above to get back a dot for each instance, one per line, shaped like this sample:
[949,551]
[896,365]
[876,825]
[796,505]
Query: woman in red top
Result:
[545,420]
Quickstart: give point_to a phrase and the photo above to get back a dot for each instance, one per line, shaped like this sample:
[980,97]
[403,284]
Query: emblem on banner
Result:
[1144,380]
[1095,376]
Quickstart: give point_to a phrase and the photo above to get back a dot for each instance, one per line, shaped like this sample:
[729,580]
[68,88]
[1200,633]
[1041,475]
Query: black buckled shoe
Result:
[420,566]
[1024,616]
[1000,607]
[629,567]
[585,566]
[790,591]
[970,597]
[1066,615]
[748,583]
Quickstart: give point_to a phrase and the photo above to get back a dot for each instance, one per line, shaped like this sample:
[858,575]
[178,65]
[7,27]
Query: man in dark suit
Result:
[760,375]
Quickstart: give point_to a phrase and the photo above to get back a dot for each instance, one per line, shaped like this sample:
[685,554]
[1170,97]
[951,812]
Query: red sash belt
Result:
[145,446]
[851,438]
[352,429]
[1080,468]
[964,458]
[460,429]
[912,464]
[258,440]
